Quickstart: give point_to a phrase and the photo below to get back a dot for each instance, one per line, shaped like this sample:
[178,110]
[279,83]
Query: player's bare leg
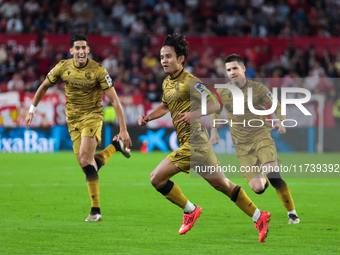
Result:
[280,186]
[258,183]
[218,180]
[160,179]
[87,162]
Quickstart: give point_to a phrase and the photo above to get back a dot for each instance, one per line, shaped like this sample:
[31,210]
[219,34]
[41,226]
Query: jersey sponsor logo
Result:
[108,80]
[50,72]
[86,85]
[270,95]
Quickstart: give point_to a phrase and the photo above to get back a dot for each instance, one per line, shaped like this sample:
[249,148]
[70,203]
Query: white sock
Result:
[189,207]
[292,212]
[256,215]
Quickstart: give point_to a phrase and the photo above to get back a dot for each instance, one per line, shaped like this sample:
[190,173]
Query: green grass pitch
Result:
[44,202]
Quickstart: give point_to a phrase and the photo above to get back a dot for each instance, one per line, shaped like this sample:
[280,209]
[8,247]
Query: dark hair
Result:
[78,37]
[179,43]
[234,57]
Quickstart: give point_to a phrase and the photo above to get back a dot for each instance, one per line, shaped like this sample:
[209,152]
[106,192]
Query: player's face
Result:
[79,52]
[169,61]
[236,73]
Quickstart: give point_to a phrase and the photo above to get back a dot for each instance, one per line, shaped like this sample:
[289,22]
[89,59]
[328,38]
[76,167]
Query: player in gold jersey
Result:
[253,143]
[182,98]
[85,81]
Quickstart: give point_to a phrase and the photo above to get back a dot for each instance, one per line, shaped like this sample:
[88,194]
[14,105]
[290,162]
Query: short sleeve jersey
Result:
[84,87]
[181,95]
[241,132]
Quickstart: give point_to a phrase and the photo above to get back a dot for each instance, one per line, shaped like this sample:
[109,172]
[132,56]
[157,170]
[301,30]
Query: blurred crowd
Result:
[283,18]
[136,69]
[139,71]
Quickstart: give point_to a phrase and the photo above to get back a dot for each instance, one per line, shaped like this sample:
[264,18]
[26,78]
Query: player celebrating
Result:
[85,81]
[254,146]
[182,98]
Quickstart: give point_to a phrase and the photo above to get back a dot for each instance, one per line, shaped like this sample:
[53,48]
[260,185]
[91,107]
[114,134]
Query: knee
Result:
[155,181]
[85,161]
[259,188]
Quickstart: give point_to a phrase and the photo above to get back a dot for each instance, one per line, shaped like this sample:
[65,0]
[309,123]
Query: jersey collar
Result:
[246,85]
[87,61]
[177,75]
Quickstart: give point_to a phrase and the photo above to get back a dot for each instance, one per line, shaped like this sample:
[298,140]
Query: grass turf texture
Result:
[44,202]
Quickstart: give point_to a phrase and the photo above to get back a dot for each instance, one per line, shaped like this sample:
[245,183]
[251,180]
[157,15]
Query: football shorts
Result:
[255,154]
[187,157]
[85,128]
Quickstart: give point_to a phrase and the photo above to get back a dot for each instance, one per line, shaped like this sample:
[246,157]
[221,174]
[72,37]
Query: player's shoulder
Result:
[258,87]
[65,62]
[191,77]
[191,80]
[94,64]
[255,84]
[224,91]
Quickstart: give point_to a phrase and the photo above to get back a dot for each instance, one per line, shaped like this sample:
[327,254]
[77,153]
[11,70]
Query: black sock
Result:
[116,144]
[95,210]
[99,163]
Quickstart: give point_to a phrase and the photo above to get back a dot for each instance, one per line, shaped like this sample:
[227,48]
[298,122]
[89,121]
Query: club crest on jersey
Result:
[88,75]
[51,72]
[201,88]
[108,80]
[270,95]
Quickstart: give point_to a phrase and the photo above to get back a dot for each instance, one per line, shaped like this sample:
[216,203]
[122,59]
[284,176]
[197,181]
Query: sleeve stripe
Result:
[50,80]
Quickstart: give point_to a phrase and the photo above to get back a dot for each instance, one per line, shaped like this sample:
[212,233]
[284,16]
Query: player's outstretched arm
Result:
[37,98]
[160,111]
[123,134]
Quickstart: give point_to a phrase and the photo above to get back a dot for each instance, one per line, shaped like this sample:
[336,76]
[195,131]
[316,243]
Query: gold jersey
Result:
[84,88]
[243,131]
[181,95]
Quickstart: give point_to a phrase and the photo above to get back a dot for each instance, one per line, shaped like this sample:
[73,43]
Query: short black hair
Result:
[179,43]
[234,57]
[78,37]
